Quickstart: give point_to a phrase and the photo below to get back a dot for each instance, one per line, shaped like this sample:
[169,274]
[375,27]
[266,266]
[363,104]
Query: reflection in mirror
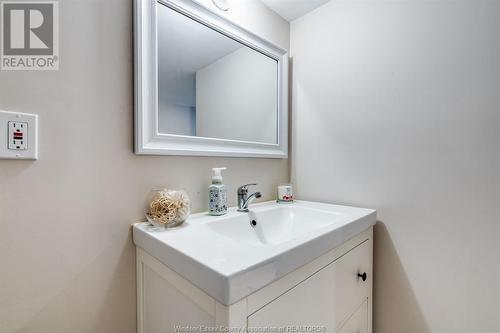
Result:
[210,85]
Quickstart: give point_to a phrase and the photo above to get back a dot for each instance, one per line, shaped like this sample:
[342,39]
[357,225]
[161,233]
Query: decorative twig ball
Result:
[168,208]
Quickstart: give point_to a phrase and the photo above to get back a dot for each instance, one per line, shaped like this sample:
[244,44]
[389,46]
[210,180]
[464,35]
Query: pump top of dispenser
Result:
[217,176]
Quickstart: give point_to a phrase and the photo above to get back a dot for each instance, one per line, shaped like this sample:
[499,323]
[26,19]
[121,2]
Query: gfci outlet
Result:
[18,135]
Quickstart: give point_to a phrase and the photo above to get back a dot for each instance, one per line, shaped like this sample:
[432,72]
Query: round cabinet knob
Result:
[362,276]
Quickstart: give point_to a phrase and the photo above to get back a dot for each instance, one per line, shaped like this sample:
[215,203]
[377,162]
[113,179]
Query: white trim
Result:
[148,140]
[140,290]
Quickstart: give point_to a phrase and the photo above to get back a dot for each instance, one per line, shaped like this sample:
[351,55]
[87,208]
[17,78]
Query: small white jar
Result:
[285,193]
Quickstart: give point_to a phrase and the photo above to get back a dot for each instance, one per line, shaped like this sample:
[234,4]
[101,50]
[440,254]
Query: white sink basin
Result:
[274,224]
[229,258]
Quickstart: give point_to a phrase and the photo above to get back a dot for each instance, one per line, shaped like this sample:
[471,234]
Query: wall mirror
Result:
[206,86]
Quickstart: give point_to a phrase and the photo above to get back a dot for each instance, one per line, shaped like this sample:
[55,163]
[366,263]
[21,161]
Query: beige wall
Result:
[397,107]
[65,246]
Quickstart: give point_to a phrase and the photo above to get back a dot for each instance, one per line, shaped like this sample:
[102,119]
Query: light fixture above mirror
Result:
[221,4]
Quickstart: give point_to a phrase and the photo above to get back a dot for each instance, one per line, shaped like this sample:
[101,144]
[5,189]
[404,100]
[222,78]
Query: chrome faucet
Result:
[244,199]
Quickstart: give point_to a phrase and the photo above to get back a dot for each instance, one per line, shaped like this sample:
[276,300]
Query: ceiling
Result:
[292,9]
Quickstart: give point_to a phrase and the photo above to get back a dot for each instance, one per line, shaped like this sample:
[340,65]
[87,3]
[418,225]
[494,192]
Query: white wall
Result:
[237,97]
[397,107]
[176,119]
[65,243]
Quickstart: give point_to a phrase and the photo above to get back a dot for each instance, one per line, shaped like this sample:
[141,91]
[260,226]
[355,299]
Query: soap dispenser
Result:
[217,194]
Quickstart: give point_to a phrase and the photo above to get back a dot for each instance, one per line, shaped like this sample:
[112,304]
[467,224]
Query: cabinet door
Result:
[350,289]
[325,299]
[358,322]
[166,308]
[310,303]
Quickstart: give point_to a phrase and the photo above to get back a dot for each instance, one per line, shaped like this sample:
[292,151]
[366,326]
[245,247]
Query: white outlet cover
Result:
[17,137]
[30,147]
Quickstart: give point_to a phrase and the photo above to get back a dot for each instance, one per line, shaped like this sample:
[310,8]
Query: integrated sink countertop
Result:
[229,258]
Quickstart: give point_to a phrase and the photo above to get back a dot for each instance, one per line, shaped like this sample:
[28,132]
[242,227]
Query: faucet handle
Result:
[243,189]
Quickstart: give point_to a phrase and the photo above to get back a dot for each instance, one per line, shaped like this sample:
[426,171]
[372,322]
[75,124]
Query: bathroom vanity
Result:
[303,267]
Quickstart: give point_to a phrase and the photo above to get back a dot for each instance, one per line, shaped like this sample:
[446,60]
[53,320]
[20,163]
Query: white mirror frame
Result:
[148,139]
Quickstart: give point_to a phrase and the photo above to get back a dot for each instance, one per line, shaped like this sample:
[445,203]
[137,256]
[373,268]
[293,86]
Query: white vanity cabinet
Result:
[329,294]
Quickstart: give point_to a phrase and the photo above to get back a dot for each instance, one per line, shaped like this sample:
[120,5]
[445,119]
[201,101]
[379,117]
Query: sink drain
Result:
[253,223]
